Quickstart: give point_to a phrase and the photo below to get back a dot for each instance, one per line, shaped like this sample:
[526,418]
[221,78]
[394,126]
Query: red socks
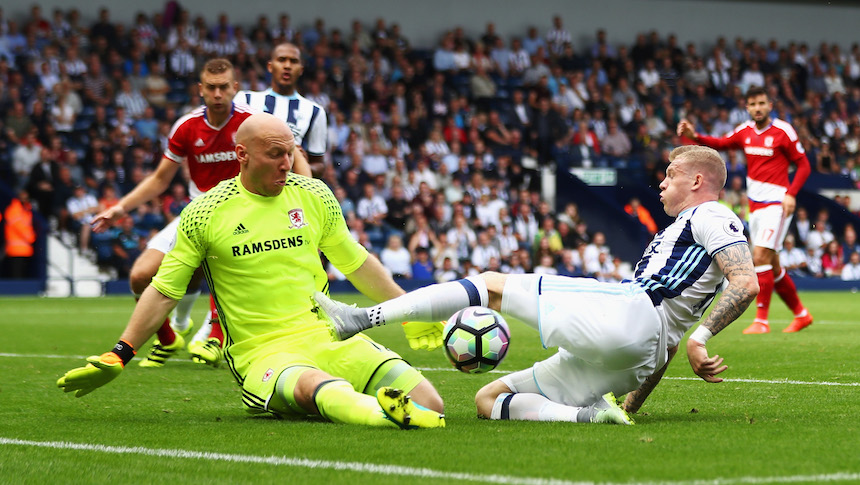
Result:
[216,331]
[166,335]
[784,287]
[765,283]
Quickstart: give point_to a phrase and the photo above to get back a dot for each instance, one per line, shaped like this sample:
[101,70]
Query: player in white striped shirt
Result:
[612,337]
[306,119]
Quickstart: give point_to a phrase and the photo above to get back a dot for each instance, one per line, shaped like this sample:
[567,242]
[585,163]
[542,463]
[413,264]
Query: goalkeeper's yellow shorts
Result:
[355,360]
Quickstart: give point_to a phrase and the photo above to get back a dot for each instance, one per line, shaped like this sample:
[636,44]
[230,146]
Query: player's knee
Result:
[144,269]
[426,395]
[495,285]
[486,397]
[306,387]
[139,278]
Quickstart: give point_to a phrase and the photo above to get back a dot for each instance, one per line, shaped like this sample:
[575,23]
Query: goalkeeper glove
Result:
[99,370]
[424,335]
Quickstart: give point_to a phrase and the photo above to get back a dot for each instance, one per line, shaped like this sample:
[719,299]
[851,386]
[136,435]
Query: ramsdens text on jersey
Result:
[216,157]
[259,247]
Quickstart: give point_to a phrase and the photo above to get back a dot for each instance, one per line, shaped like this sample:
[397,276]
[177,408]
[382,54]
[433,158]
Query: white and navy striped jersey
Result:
[677,269]
[306,119]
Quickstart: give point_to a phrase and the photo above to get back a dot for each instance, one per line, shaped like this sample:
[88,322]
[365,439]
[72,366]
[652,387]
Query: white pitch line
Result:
[395,470]
[756,381]
[398,470]
[440,369]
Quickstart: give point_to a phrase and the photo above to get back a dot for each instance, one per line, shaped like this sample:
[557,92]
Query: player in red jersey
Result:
[770,145]
[206,139]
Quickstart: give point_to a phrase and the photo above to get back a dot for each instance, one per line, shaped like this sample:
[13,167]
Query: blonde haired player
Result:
[613,338]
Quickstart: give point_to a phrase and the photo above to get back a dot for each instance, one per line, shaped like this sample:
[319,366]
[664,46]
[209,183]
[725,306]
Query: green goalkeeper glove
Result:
[99,371]
[424,335]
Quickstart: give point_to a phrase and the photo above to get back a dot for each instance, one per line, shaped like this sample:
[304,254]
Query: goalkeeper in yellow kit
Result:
[257,237]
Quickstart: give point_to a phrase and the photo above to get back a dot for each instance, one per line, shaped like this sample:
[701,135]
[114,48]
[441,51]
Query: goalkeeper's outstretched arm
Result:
[148,314]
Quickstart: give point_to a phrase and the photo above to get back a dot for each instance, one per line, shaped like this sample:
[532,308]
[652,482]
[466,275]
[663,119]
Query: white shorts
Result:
[610,338]
[166,238]
[768,227]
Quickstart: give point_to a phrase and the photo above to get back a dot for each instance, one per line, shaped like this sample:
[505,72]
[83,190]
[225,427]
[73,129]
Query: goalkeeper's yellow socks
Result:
[338,402]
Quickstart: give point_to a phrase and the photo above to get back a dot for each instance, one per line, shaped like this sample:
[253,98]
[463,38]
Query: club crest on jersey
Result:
[297,219]
[268,375]
[768,141]
[733,228]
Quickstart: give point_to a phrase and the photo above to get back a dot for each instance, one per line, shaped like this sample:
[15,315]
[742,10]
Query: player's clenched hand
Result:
[424,335]
[100,370]
[703,366]
[102,221]
[685,128]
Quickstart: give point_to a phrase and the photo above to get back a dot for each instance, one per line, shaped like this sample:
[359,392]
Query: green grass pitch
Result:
[788,412]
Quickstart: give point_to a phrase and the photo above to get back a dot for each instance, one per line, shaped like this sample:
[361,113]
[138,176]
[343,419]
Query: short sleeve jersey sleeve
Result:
[716,227]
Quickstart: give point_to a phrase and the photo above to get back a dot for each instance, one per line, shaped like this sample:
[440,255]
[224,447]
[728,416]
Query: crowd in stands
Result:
[434,151]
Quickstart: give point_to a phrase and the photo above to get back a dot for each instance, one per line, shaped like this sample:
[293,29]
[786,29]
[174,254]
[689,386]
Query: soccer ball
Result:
[476,339]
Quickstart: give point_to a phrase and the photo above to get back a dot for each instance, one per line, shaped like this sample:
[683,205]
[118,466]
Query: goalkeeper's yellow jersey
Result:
[261,260]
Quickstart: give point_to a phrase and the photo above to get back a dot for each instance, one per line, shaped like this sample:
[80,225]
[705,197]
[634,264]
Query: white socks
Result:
[532,407]
[181,321]
[432,303]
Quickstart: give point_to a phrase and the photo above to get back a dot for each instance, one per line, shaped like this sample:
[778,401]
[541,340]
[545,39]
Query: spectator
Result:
[820,236]
[831,260]
[483,251]
[851,270]
[156,86]
[462,237]
[446,272]
[20,236]
[616,143]
[175,201]
[849,242]
[792,258]
[127,246]
[396,258]
[82,208]
[372,210]
[803,226]
[422,267]
[131,100]
[25,157]
[546,266]
[635,209]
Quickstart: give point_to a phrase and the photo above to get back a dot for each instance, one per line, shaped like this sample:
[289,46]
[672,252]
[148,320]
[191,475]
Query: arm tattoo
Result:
[736,263]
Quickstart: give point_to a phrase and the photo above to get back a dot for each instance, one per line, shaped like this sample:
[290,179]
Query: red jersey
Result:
[768,155]
[209,150]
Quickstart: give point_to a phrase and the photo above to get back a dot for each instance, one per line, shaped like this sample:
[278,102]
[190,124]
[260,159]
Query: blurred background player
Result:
[205,138]
[770,145]
[279,348]
[307,121]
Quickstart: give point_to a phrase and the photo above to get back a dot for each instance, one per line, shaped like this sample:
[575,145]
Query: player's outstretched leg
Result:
[404,412]
[346,320]
[159,353]
[429,304]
